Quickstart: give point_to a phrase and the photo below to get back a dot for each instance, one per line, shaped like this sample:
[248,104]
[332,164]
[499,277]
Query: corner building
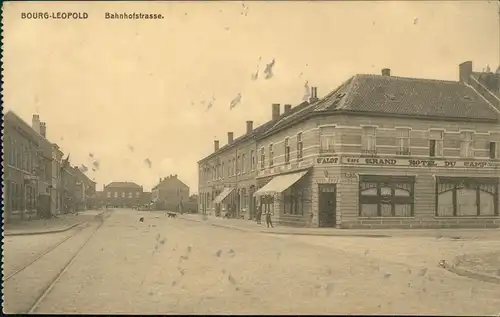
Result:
[386,152]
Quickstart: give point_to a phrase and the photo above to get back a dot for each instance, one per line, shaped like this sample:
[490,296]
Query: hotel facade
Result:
[377,152]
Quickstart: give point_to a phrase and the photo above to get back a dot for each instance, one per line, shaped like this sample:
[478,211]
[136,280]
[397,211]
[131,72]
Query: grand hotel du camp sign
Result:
[403,162]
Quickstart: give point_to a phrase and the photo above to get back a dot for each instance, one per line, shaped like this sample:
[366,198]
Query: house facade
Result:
[383,152]
[122,194]
[228,177]
[170,192]
[20,167]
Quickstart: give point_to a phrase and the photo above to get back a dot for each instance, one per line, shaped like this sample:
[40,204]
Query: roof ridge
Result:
[409,78]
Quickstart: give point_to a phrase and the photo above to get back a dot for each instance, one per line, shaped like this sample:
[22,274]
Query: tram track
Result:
[37,268]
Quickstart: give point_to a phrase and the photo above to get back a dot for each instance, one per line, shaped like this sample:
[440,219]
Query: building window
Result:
[129,195]
[403,141]
[327,140]
[436,143]
[467,145]
[386,196]
[300,147]
[123,194]
[369,139]
[238,164]
[293,202]
[234,167]
[116,194]
[271,155]
[473,197]
[493,150]
[243,163]
[262,158]
[108,194]
[287,151]
[267,204]
[138,194]
[252,160]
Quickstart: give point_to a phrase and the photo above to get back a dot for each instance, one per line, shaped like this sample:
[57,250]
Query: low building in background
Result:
[169,193]
[123,194]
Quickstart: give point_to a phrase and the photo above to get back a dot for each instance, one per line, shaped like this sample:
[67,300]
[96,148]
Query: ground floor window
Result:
[457,196]
[267,204]
[386,196]
[293,201]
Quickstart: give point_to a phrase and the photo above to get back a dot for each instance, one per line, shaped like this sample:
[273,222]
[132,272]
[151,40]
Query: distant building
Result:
[169,192]
[146,198]
[57,192]
[85,190]
[123,194]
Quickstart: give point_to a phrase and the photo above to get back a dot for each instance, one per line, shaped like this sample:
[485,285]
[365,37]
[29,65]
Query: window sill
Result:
[386,217]
[466,217]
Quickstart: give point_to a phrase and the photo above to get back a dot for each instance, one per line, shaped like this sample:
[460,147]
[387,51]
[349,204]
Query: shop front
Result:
[362,192]
[286,197]
[224,203]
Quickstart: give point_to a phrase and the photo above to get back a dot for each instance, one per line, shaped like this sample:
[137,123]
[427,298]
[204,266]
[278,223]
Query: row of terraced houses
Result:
[37,179]
[378,151]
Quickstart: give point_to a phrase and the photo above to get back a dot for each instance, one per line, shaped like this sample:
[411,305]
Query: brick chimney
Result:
[288,108]
[216,145]
[249,127]
[230,136]
[35,123]
[276,111]
[43,129]
[386,72]
[314,95]
[464,71]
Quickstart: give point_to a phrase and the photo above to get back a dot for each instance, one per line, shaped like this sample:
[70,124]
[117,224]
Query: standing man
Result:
[258,217]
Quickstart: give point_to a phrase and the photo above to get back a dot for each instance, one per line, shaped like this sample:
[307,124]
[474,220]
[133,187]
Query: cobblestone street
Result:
[165,265]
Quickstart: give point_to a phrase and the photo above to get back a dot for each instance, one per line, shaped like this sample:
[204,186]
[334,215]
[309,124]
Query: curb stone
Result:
[32,233]
[292,233]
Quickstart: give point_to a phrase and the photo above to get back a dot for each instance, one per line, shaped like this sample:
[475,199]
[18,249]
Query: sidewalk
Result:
[252,226]
[61,223]
[483,266]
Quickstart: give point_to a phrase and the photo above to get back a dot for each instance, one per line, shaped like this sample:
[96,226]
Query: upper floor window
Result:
[234,166]
[271,155]
[493,150]
[137,194]
[108,194]
[403,141]
[436,143]
[287,151]
[252,160]
[262,158]
[300,147]
[222,170]
[238,165]
[327,140]
[243,163]
[466,145]
[129,195]
[123,194]
[369,139]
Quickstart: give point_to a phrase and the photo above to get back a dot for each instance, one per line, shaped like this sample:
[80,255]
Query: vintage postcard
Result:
[259,157]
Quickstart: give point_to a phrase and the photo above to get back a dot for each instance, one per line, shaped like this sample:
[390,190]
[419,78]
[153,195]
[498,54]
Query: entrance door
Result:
[252,202]
[327,205]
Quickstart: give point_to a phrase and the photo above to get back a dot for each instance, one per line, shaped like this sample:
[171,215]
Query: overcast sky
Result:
[105,85]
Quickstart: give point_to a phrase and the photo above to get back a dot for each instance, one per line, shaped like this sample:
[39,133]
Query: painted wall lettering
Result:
[327,160]
[374,161]
[424,163]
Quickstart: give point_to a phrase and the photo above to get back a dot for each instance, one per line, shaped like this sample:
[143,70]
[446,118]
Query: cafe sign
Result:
[403,162]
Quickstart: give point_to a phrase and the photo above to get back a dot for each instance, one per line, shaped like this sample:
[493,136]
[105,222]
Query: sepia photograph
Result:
[251,157]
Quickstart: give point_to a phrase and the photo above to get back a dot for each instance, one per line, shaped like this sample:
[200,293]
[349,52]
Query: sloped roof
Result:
[42,142]
[170,180]
[257,132]
[491,81]
[390,95]
[122,185]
